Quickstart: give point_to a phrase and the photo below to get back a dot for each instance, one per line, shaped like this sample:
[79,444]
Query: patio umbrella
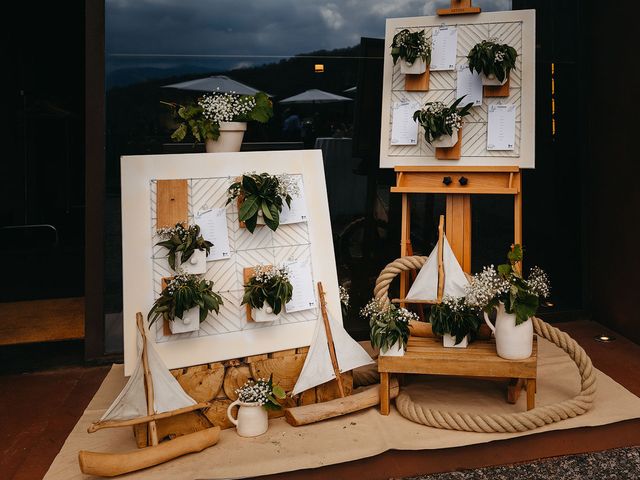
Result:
[316,96]
[220,83]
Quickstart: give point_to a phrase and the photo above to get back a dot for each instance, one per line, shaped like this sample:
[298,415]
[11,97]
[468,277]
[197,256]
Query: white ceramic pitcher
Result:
[513,342]
[252,420]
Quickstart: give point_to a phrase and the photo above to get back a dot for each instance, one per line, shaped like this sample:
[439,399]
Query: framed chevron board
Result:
[517,28]
[207,176]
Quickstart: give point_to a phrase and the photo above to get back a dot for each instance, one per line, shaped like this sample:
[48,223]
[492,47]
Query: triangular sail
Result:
[425,286]
[168,395]
[317,368]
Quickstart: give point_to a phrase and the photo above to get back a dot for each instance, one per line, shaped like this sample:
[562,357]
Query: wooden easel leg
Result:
[531,393]
[384,393]
[405,243]
[458,228]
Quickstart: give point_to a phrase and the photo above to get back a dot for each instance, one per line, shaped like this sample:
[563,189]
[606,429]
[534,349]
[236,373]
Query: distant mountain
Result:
[123,77]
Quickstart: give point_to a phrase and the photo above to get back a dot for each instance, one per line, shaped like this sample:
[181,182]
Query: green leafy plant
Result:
[438,119]
[388,324]
[268,284]
[492,58]
[520,296]
[263,392]
[182,293]
[410,46]
[263,195]
[454,317]
[184,240]
[202,119]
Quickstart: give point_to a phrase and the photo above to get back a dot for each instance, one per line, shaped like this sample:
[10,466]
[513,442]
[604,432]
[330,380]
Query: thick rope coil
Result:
[501,423]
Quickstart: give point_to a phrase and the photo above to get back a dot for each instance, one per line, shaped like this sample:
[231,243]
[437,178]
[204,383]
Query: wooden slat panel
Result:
[452,153]
[417,83]
[172,202]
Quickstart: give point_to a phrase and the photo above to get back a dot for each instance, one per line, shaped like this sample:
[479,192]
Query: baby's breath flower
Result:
[226,107]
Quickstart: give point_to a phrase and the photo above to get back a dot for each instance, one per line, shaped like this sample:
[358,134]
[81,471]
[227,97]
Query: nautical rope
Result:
[502,423]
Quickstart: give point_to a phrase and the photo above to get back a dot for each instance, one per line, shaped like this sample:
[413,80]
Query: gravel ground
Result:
[617,464]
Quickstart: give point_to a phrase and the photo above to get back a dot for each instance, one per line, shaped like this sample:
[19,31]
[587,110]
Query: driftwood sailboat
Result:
[151,394]
[332,352]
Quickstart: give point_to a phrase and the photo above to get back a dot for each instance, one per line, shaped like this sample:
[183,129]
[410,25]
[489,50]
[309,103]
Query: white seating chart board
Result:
[516,28]
[228,334]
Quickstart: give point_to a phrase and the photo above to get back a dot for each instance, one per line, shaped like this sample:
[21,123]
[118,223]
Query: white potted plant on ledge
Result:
[515,299]
[389,327]
[493,61]
[185,302]
[187,249]
[255,398]
[220,119]
[441,122]
[456,321]
[413,49]
[267,292]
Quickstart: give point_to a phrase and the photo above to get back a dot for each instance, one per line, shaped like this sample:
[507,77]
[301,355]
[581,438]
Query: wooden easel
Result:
[458,184]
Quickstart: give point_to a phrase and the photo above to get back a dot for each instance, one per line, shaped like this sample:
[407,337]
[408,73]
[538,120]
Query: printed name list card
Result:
[303,297]
[297,213]
[469,86]
[444,44]
[501,131]
[404,129]
[213,227]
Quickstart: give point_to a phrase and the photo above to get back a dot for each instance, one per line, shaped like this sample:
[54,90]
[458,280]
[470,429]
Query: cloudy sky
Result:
[168,33]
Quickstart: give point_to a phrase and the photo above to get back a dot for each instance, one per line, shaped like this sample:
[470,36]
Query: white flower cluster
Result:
[344,296]
[226,107]
[423,45]
[499,57]
[257,391]
[404,315]
[375,309]
[455,304]
[538,282]
[179,281]
[182,232]
[453,120]
[485,286]
[265,273]
[287,185]
[435,108]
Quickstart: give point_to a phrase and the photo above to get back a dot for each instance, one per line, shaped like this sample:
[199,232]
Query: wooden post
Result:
[405,240]
[332,348]
[458,211]
[441,273]
[148,382]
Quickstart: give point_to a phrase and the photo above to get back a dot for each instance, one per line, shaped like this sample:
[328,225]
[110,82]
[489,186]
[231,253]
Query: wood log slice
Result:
[217,413]
[201,382]
[234,378]
[285,370]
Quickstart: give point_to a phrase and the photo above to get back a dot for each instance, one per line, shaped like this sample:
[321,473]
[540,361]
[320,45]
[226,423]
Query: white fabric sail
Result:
[425,286]
[317,368]
[168,395]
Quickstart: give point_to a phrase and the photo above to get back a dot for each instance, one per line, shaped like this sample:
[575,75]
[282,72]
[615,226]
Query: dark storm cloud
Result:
[257,27]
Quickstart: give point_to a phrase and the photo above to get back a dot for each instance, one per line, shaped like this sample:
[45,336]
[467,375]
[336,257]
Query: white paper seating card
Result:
[404,129]
[469,86]
[501,128]
[443,48]
[297,213]
[304,297]
[213,227]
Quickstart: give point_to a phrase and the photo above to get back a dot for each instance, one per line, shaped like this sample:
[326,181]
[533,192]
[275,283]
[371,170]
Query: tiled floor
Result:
[38,410]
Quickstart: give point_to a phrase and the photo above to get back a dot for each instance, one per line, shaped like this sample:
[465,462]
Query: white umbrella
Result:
[219,83]
[316,96]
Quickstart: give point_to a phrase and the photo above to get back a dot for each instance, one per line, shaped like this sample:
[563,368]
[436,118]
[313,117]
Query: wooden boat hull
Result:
[113,464]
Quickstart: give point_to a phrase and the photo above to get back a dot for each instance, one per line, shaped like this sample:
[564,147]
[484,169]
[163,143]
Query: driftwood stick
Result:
[148,382]
[360,399]
[440,259]
[332,348]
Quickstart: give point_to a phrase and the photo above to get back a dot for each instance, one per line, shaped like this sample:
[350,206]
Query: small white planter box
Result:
[190,322]
[264,314]
[416,68]
[197,263]
[492,81]
[396,350]
[449,341]
[445,141]
[230,139]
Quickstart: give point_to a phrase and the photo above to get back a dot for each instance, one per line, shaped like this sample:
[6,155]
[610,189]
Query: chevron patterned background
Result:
[288,242]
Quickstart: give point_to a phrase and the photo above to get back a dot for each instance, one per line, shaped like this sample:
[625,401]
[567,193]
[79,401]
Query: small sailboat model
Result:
[151,394]
[440,276]
[332,352]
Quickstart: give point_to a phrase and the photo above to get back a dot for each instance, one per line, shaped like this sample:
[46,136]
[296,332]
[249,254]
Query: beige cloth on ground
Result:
[359,435]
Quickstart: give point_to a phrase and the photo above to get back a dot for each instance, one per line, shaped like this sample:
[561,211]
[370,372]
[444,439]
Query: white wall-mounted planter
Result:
[513,342]
[492,81]
[264,314]
[197,263]
[445,141]
[190,321]
[396,350]
[449,341]
[230,140]
[253,419]
[416,68]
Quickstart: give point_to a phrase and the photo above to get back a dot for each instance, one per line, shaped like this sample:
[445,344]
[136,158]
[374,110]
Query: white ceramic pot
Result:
[190,321]
[230,139]
[445,141]
[513,342]
[264,314]
[197,263]
[396,350]
[252,420]
[492,81]
[449,341]
[416,68]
